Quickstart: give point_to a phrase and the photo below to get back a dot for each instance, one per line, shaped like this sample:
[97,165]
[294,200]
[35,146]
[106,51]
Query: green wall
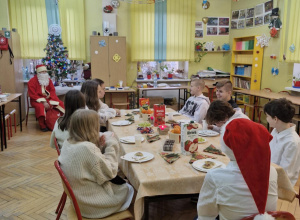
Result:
[283,79]
[4,16]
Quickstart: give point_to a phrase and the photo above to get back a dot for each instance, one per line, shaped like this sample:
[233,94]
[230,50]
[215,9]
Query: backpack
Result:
[4,46]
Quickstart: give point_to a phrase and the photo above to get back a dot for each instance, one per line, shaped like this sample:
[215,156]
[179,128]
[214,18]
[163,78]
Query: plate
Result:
[138,159]
[197,165]
[184,121]
[121,123]
[203,140]
[208,133]
[129,140]
[174,113]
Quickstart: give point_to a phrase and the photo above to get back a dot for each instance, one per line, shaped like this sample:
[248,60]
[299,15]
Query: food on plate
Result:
[191,146]
[200,139]
[192,126]
[212,149]
[144,124]
[139,154]
[208,164]
[176,129]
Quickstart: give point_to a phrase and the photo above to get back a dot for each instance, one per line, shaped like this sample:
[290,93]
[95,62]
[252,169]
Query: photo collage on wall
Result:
[217,26]
[198,29]
[252,17]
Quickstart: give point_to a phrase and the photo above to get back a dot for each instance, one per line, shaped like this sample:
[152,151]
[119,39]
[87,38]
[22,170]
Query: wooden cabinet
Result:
[246,63]
[108,59]
[11,76]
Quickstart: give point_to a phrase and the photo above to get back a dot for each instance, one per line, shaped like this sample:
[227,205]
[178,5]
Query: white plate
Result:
[199,163]
[184,121]
[138,159]
[129,140]
[208,133]
[174,113]
[121,123]
[201,142]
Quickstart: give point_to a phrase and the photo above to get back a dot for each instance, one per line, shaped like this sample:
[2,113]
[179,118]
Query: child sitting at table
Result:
[93,92]
[285,146]
[90,168]
[104,109]
[74,100]
[248,184]
[196,106]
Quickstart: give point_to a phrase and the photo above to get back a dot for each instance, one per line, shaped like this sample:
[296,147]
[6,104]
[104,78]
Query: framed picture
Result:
[259,9]
[235,15]
[223,21]
[241,24]
[234,24]
[212,31]
[223,30]
[242,14]
[267,18]
[250,13]
[268,6]
[212,21]
[199,24]
[198,33]
[259,20]
[249,22]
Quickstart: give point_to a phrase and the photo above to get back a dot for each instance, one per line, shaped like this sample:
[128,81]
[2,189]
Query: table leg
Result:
[3,122]
[138,97]
[20,112]
[146,208]
[178,107]
[133,100]
[1,130]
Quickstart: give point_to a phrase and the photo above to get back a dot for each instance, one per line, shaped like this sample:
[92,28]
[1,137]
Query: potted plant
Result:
[170,74]
[149,75]
[156,73]
[199,54]
[296,82]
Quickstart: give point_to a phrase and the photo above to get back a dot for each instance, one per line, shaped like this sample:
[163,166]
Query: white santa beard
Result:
[43,79]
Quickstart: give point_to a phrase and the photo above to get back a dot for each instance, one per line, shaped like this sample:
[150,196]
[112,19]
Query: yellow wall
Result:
[283,79]
[218,8]
[93,22]
[4,17]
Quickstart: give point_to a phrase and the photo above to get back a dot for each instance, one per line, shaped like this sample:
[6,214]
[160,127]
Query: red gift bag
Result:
[51,116]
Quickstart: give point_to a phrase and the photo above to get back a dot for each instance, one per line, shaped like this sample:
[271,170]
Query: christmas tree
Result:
[56,59]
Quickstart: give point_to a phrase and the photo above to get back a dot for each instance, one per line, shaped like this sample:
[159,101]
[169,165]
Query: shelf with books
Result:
[246,63]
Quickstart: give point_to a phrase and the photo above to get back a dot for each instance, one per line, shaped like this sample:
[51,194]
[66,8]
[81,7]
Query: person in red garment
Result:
[43,98]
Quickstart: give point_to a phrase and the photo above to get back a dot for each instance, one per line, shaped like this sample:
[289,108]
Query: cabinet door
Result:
[117,69]
[99,58]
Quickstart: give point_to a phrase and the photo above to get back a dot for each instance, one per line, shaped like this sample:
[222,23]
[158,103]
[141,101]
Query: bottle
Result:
[155,81]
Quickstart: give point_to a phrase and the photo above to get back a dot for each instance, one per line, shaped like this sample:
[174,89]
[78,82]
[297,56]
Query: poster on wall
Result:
[212,31]
[259,20]
[268,6]
[259,10]
[249,22]
[223,21]
[241,24]
[233,24]
[250,12]
[212,21]
[198,29]
[267,18]
[242,14]
[235,15]
[223,31]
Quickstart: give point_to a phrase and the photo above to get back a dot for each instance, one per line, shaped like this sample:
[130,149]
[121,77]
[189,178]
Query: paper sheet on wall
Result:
[296,71]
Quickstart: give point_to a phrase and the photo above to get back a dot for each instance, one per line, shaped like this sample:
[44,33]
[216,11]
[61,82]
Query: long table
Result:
[156,178]
[11,98]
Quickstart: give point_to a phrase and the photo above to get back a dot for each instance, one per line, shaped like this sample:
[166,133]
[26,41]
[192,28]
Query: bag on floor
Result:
[51,116]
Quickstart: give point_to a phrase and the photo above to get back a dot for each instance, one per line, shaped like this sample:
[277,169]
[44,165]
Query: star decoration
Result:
[263,40]
[292,48]
[102,43]
[116,57]
[2,40]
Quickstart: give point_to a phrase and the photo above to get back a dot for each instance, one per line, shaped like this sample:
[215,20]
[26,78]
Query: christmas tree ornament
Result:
[292,48]
[205,20]
[115,3]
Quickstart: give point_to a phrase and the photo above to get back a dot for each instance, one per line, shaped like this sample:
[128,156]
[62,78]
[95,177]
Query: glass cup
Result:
[136,118]
[204,125]
[170,116]
[138,140]
[122,112]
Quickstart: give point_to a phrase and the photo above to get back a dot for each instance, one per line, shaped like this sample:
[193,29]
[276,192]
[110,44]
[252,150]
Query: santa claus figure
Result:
[43,98]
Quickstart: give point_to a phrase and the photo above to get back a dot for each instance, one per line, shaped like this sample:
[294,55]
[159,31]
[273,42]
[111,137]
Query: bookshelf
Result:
[246,63]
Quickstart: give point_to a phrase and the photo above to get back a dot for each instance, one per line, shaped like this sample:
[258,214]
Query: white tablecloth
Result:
[63,90]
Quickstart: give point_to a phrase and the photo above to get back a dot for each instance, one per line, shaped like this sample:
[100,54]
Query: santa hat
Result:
[40,68]
[249,142]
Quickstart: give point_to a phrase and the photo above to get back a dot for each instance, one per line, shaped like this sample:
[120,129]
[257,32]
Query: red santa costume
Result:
[41,90]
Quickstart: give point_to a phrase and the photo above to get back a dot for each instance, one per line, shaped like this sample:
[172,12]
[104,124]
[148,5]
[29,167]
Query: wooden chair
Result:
[28,107]
[74,211]
[13,113]
[255,106]
[210,93]
[8,125]
[278,215]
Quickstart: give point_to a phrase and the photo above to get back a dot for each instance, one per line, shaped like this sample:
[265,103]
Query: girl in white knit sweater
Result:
[90,168]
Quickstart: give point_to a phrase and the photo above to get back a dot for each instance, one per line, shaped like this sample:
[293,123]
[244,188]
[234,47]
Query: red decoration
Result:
[108,9]
[273,32]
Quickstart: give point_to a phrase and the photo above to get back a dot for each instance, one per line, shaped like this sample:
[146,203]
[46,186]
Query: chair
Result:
[255,106]
[74,211]
[210,92]
[114,104]
[56,146]
[278,215]
[13,113]
[28,107]
[8,125]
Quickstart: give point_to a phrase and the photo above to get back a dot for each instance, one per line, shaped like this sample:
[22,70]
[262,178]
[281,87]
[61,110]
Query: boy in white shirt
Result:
[285,145]
[196,106]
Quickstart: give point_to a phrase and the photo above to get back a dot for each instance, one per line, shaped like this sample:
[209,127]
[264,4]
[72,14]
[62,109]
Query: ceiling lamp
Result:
[142,1]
